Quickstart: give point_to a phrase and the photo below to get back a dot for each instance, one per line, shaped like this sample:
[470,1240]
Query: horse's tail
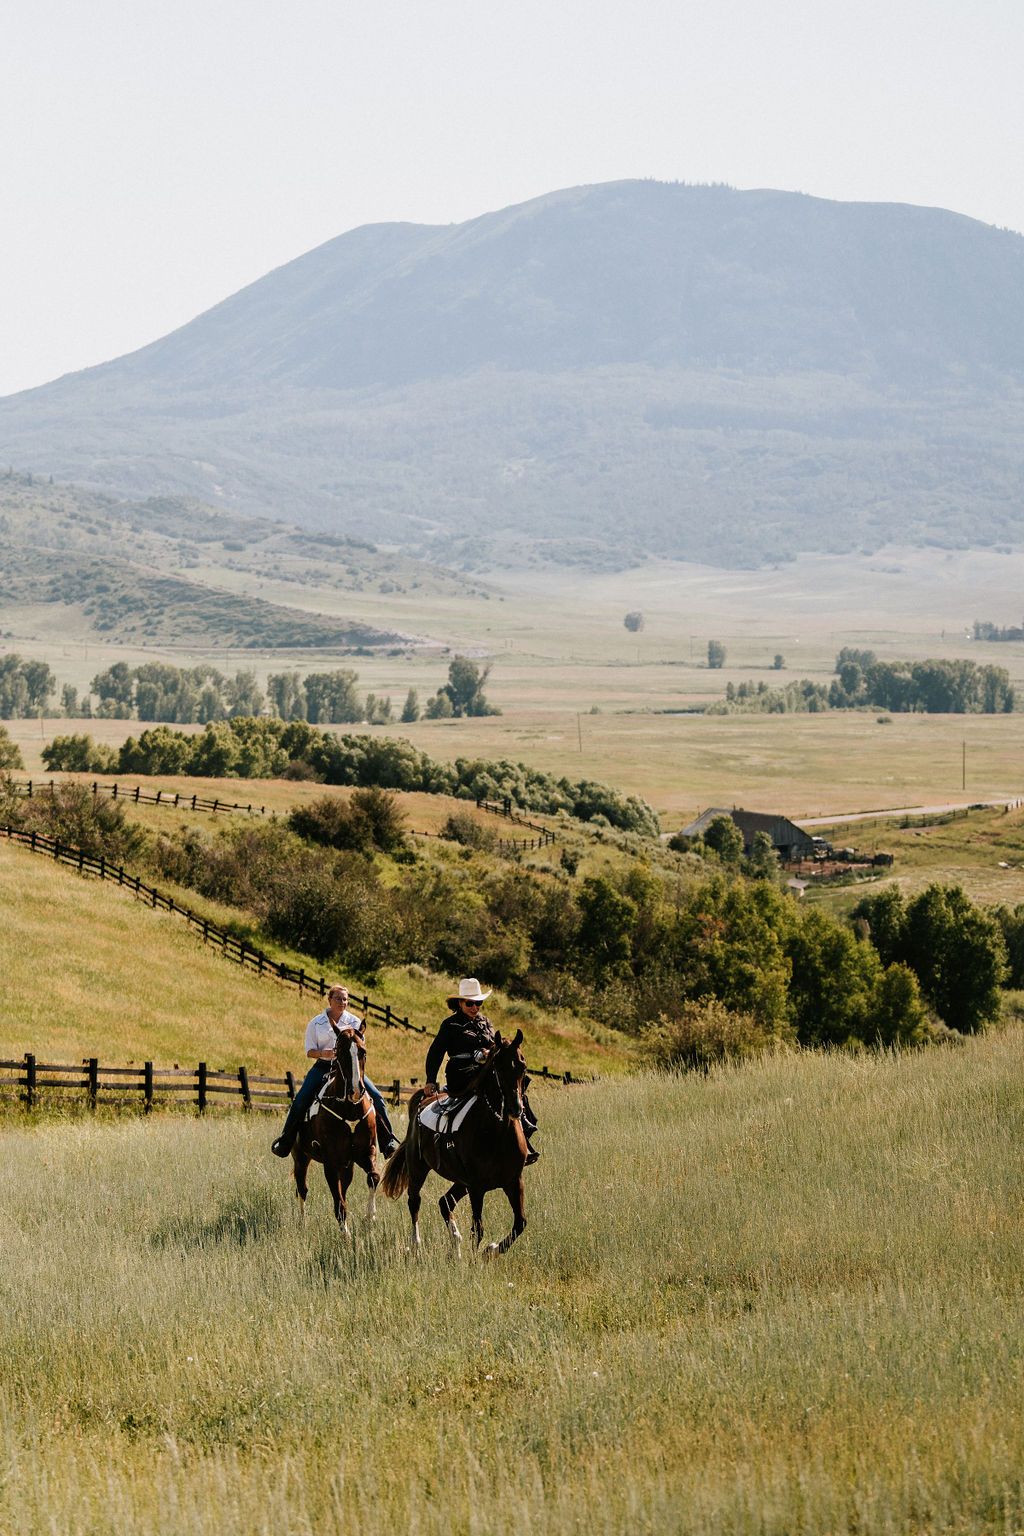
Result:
[396,1175]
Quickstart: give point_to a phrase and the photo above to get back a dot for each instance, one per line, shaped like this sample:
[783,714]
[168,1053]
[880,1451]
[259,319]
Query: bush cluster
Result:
[71,814]
[626,947]
[251,748]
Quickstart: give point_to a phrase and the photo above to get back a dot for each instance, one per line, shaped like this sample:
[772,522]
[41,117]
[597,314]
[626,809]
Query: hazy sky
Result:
[159,154]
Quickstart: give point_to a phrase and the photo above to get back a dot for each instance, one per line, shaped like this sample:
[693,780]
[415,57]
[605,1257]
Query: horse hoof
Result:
[490,1251]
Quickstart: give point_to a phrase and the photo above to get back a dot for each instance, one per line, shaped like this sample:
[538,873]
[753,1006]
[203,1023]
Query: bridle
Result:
[360,1107]
[489,1072]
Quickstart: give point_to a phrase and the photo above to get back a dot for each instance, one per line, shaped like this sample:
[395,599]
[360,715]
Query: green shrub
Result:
[704,1034]
[73,815]
[78,754]
[463,827]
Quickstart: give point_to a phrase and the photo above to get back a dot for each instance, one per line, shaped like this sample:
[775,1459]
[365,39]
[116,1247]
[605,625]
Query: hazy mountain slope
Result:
[699,371]
[118,571]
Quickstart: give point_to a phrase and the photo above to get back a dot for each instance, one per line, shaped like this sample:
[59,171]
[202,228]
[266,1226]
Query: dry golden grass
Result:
[782,1299]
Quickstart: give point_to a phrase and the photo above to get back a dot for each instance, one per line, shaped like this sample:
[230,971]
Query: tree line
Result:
[156,691]
[900,687]
[262,748]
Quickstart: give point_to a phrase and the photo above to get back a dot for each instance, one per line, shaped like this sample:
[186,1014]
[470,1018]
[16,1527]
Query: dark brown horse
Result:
[486,1149]
[343,1132]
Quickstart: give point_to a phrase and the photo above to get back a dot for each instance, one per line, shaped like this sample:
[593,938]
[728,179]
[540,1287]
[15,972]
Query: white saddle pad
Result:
[438,1116]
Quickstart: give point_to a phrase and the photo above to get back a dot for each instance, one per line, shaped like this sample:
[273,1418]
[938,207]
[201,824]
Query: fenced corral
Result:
[30,1081]
[240,951]
[136,795]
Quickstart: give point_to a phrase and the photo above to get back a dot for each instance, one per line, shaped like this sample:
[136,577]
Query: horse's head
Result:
[508,1064]
[349,1060]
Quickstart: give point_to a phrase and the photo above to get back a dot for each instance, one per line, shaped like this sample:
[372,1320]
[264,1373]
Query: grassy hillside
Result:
[89,971]
[781,1299]
[91,566]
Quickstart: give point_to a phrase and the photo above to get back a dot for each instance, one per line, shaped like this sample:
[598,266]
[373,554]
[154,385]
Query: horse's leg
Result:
[332,1173]
[476,1200]
[446,1205]
[300,1163]
[346,1180]
[514,1191]
[418,1171]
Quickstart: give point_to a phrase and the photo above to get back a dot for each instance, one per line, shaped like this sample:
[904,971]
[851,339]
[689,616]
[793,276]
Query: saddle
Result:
[314,1108]
[445,1114]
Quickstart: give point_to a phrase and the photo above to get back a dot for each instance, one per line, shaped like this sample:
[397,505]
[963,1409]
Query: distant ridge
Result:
[597,374]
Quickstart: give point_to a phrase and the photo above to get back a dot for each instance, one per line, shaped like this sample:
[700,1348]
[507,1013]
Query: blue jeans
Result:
[307,1092]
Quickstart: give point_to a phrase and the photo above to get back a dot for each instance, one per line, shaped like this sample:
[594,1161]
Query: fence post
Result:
[30,1079]
[33,844]
[243,1078]
[113,793]
[289,1078]
[216,805]
[138,788]
[387,1015]
[30,789]
[103,867]
[201,1087]
[95,789]
[193,802]
[94,1080]
[56,851]
[302,980]
[147,1071]
[396,1092]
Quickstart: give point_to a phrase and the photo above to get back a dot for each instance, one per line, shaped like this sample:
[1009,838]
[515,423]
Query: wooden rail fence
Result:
[232,948]
[26,1077]
[504,809]
[139,796]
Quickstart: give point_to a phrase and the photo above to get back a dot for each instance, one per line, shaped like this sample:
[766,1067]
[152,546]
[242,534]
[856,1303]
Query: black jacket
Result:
[459,1038]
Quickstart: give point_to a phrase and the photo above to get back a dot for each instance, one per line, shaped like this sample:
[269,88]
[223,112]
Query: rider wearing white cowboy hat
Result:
[465,1037]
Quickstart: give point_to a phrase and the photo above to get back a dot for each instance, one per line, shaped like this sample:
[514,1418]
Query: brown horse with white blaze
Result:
[343,1133]
[484,1148]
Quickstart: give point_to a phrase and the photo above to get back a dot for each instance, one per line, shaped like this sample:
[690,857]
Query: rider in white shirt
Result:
[320,1043]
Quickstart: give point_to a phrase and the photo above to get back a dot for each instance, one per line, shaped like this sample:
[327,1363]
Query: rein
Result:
[502,1113]
[353,1120]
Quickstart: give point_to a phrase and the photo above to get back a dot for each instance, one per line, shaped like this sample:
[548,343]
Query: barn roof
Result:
[780,829]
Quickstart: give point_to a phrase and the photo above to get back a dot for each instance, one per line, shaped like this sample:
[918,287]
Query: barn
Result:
[789,841]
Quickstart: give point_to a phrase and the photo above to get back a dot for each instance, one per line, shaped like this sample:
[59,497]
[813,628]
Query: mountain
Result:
[597,374]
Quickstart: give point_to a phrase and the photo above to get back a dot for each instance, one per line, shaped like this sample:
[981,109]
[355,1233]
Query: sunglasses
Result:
[468,1002]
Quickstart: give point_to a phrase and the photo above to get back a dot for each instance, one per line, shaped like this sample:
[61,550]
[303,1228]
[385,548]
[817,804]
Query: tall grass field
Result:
[785,1298]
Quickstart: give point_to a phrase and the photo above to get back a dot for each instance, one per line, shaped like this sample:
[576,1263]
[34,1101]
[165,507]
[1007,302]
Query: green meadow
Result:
[782,1298]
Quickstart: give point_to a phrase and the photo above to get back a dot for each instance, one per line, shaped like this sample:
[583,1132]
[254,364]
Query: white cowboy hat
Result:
[469,992]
